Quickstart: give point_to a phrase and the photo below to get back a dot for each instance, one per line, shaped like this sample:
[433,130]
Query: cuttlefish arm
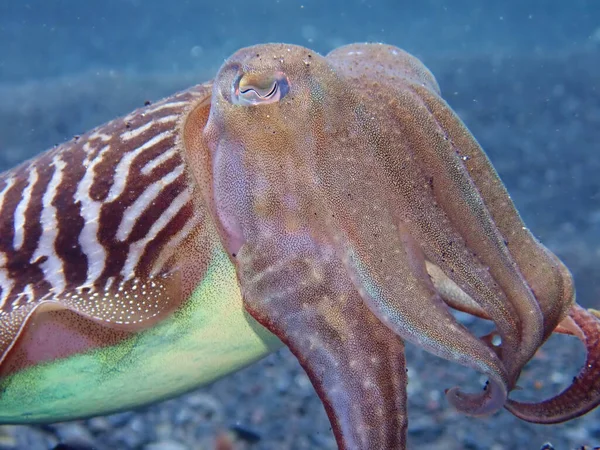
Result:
[337,166]
[355,362]
[464,219]
[114,288]
[583,394]
[546,276]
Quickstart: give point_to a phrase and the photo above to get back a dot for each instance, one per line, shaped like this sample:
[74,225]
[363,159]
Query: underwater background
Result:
[523,75]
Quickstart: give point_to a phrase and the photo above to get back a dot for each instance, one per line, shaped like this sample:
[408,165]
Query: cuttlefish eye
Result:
[259,89]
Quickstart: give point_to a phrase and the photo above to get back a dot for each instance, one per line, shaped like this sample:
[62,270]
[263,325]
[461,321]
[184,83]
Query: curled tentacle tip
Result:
[492,399]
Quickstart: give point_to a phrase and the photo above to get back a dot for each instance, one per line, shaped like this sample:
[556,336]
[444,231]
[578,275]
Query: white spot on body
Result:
[169,248]
[136,249]
[99,135]
[87,148]
[135,132]
[21,209]
[28,292]
[154,163]
[9,184]
[137,208]
[90,211]
[124,165]
[6,283]
[163,106]
[53,266]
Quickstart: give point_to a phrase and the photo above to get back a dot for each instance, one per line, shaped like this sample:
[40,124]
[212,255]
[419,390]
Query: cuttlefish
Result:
[333,204]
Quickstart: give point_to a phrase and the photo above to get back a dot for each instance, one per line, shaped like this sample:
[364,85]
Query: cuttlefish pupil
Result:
[259,89]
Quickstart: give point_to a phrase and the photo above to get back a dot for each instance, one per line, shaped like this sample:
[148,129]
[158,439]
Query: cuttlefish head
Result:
[262,132]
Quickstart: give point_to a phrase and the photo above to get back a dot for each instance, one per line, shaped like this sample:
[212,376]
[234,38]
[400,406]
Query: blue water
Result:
[41,39]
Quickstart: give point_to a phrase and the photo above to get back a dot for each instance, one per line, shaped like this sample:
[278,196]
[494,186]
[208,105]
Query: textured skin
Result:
[583,394]
[338,200]
[345,185]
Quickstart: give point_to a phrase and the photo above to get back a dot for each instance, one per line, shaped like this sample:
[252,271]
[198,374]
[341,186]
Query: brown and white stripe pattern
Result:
[104,212]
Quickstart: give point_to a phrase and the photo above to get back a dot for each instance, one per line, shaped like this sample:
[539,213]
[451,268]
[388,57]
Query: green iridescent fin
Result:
[125,305]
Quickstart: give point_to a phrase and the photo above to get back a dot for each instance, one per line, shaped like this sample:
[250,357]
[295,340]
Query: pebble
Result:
[245,434]
[74,434]
[424,429]
[166,445]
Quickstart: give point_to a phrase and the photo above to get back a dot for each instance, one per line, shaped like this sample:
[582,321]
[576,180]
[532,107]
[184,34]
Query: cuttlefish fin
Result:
[583,394]
[123,304]
[355,363]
